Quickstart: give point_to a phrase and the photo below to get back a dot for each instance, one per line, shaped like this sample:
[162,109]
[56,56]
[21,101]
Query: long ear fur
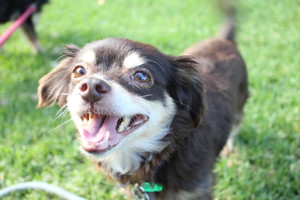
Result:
[188,90]
[53,87]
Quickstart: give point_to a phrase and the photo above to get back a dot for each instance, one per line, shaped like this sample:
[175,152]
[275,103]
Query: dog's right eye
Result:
[79,71]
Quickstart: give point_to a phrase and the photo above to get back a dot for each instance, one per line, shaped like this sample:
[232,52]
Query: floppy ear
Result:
[187,89]
[53,87]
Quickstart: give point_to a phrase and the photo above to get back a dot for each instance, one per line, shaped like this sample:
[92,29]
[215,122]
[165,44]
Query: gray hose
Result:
[40,186]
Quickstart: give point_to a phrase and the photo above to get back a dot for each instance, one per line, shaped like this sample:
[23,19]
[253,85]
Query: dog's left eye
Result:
[142,77]
[79,71]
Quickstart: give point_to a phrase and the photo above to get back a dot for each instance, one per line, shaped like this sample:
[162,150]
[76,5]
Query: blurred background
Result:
[41,145]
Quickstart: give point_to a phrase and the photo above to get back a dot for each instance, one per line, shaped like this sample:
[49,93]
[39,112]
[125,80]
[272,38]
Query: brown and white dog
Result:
[149,117]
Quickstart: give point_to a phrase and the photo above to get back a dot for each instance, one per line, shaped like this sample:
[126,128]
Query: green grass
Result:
[266,162]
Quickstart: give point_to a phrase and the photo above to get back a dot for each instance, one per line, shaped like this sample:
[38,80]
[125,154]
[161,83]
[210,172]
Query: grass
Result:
[266,163]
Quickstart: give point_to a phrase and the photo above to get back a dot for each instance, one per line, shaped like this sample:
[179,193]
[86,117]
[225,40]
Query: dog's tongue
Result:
[98,127]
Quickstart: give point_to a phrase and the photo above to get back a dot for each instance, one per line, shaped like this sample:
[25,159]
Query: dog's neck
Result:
[148,164]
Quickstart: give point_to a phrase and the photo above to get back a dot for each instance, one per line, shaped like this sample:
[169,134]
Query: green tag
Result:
[152,188]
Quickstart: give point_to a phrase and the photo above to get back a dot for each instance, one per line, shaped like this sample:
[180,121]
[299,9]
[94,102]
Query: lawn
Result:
[41,145]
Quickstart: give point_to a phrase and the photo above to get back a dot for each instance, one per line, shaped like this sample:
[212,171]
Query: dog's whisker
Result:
[64,94]
[59,126]
[186,105]
[147,95]
[61,114]
[60,58]
[63,107]
[62,111]
[157,64]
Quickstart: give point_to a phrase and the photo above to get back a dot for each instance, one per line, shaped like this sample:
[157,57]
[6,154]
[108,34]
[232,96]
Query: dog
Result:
[147,117]
[11,9]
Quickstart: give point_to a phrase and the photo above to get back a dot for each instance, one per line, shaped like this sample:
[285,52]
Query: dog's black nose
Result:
[93,89]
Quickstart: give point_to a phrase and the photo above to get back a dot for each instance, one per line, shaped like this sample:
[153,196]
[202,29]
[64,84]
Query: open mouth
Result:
[100,133]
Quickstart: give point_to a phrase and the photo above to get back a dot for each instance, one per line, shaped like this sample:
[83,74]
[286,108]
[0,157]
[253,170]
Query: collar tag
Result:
[147,187]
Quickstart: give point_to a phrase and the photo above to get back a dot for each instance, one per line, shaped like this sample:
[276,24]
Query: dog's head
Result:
[122,96]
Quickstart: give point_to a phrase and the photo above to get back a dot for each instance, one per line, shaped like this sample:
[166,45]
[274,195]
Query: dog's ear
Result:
[53,87]
[187,89]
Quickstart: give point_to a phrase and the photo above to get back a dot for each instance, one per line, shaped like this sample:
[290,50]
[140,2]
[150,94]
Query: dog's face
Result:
[122,96]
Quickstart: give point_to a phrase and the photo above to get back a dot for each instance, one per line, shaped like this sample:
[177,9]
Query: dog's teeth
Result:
[121,128]
[84,122]
[125,122]
[106,136]
[91,116]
